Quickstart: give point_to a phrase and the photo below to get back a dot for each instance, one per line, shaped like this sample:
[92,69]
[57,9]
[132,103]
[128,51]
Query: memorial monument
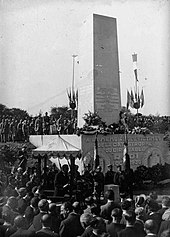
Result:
[99,84]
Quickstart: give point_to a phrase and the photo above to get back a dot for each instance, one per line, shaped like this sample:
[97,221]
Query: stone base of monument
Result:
[115,189]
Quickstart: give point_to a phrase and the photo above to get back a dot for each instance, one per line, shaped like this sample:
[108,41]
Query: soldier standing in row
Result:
[46,124]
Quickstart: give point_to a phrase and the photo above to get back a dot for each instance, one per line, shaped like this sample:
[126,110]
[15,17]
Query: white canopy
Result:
[58,147]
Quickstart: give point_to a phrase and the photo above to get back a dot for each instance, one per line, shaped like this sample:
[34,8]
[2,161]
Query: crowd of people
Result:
[27,211]
[14,129]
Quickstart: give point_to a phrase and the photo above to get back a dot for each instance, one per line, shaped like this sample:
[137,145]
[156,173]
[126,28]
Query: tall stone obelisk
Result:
[99,84]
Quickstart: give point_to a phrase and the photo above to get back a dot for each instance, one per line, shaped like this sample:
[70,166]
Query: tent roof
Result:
[58,146]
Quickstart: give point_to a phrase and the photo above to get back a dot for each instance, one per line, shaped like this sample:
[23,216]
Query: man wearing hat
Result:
[109,176]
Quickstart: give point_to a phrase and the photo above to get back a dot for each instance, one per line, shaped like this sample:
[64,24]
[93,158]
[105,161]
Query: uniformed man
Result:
[46,124]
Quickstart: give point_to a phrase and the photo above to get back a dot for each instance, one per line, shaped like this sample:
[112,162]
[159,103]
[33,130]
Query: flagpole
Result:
[73,56]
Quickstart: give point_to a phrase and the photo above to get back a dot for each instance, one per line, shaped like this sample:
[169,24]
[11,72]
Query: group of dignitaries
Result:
[14,129]
[30,213]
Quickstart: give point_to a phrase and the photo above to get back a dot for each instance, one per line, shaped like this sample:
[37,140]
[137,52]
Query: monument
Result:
[99,84]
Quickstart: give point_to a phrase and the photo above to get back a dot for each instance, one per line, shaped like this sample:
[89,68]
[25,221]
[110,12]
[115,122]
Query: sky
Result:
[39,37]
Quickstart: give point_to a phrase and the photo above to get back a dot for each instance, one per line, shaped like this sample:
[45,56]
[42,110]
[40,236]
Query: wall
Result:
[145,150]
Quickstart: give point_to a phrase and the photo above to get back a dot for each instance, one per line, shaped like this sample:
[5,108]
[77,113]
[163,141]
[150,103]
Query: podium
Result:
[115,189]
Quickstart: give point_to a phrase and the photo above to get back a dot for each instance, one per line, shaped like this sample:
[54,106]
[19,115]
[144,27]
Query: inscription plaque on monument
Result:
[99,84]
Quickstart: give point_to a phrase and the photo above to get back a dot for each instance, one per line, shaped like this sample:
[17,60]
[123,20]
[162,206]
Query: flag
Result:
[128,99]
[132,99]
[134,57]
[136,75]
[142,98]
[96,156]
[125,152]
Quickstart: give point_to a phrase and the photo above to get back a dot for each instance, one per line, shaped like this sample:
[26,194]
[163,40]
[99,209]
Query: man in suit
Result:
[61,181]
[114,227]
[86,220]
[46,230]
[71,226]
[140,219]
[43,207]
[20,224]
[165,205]
[153,214]
[165,225]
[150,228]
[109,206]
[130,230]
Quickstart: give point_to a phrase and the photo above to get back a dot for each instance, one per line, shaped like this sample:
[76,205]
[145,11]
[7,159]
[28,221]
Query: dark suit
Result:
[22,233]
[37,221]
[107,209]
[139,225]
[157,218]
[114,228]
[130,231]
[45,232]
[165,225]
[71,226]
[87,232]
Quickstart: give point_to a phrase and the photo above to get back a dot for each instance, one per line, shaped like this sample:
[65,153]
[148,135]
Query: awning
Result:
[58,147]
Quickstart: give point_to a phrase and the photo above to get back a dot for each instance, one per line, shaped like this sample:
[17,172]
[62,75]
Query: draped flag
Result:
[132,99]
[142,98]
[96,156]
[128,99]
[134,57]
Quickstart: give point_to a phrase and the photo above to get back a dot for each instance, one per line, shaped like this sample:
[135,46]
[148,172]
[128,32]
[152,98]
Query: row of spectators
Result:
[30,213]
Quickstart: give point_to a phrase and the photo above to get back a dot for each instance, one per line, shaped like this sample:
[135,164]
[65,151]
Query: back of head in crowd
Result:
[153,206]
[46,220]
[130,217]
[150,226]
[35,201]
[20,222]
[116,214]
[86,220]
[109,194]
[126,205]
[77,208]
[65,209]
[43,205]
[98,225]
[165,201]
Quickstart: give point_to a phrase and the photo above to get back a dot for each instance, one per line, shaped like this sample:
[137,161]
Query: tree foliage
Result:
[14,112]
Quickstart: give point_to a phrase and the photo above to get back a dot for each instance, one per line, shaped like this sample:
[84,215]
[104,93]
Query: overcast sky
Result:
[38,38]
